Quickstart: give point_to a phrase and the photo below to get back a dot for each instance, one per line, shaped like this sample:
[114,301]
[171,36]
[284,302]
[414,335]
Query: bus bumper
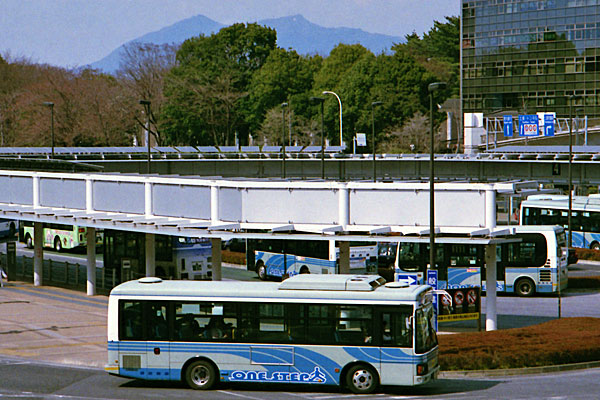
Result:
[430,377]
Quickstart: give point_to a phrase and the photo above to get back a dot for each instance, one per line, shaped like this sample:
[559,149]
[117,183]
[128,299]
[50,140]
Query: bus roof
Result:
[321,288]
[591,202]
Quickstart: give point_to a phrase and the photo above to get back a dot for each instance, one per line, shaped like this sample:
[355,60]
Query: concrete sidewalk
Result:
[53,324]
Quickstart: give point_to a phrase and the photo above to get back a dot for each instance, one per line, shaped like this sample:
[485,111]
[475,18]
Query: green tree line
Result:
[212,90]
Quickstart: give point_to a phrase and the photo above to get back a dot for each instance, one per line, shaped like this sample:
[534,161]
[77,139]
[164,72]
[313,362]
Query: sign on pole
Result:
[361,139]
[548,124]
[432,280]
[508,125]
[528,125]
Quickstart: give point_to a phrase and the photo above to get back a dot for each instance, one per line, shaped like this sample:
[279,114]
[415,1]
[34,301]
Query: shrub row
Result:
[561,341]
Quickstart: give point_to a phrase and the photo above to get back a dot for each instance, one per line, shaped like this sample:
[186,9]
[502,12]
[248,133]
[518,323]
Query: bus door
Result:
[157,345]
[396,341]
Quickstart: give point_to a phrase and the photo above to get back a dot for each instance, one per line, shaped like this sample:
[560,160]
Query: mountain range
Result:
[293,32]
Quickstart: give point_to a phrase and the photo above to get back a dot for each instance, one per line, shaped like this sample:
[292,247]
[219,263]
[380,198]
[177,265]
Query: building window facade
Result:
[530,56]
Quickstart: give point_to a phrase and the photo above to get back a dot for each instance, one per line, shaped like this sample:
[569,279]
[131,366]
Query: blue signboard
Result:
[432,280]
[529,125]
[548,125]
[508,125]
[408,279]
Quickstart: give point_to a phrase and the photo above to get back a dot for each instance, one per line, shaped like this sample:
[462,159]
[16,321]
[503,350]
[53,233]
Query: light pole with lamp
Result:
[373,104]
[51,105]
[146,104]
[432,88]
[340,103]
[283,106]
[321,100]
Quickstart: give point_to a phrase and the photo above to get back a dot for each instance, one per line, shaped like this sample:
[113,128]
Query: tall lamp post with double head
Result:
[432,88]
[146,104]
[373,104]
[321,100]
[340,103]
[51,105]
[283,106]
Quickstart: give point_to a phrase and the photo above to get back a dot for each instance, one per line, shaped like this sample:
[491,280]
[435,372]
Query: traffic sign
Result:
[548,124]
[408,279]
[508,125]
[459,297]
[432,278]
[471,296]
[528,125]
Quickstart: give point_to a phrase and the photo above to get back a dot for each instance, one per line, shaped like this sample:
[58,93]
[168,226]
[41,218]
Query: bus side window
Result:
[130,324]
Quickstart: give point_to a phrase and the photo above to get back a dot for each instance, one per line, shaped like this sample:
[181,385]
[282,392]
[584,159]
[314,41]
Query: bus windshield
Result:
[426,338]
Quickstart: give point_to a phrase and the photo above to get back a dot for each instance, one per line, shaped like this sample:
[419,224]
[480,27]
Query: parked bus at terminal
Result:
[272,258]
[349,330]
[57,236]
[554,210]
[536,264]
[8,228]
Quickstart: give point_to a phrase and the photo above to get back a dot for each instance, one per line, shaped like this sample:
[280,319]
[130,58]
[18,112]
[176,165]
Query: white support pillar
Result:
[344,258]
[89,195]
[148,199]
[150,255]
[38,253]
[214,204]
[91,261]
[490,208]
[216,259]
[344,206]
[36,191]
[491,317]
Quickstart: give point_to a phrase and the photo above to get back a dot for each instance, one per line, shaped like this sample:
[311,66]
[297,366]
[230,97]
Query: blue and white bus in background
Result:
[278,258]
[536,264]
[9,228]
[554,210]
[350,330]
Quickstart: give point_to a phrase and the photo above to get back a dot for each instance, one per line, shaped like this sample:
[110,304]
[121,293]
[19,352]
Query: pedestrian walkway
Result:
[52,324]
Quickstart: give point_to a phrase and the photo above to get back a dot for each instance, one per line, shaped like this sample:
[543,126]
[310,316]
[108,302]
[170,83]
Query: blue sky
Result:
[71,33]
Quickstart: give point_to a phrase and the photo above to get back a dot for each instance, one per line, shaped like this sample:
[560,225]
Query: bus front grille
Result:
[545,276]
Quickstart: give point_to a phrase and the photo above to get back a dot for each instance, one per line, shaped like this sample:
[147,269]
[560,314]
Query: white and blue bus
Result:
[554,210]
[349,330]
[8,228]
[536,264]
[278,258]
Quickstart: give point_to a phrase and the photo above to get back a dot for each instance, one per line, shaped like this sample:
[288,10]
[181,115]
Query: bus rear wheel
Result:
[524,287]
[304,270]
[57,244]
[262,272]
[200,375]
[595,246]
[361,379]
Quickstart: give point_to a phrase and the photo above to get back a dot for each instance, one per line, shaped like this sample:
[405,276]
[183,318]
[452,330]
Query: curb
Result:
[517,371]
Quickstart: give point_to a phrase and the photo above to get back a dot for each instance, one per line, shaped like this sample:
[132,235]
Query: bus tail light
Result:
[422,369]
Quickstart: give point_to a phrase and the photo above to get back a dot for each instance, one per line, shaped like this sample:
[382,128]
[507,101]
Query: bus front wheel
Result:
[361,379]
[200,375]
[262,272]
[524,287]
[57,244]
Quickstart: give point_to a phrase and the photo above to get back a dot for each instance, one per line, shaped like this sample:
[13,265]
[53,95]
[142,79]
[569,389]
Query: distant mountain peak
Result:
[294,31]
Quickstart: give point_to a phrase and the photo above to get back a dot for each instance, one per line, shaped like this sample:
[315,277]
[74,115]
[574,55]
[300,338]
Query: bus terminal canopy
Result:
[219,208]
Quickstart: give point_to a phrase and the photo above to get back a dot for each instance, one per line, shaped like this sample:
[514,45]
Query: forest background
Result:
[229,88]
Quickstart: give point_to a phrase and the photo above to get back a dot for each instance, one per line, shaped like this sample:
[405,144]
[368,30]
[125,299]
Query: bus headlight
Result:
[422,369]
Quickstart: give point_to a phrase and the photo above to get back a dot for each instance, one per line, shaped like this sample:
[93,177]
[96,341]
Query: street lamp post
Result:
[321,100]
[432,88]
[283,106]
[146,104]
[373,104]
[51,105]
[340,103]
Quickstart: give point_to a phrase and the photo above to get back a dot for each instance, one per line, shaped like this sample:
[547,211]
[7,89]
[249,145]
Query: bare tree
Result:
[142,72]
